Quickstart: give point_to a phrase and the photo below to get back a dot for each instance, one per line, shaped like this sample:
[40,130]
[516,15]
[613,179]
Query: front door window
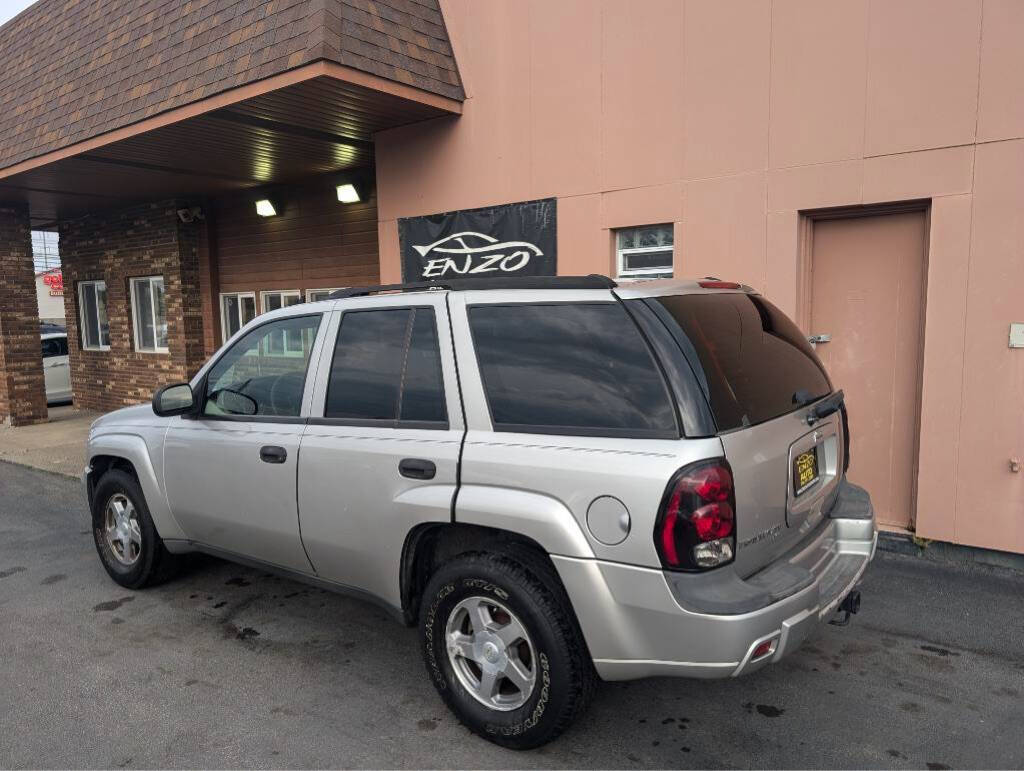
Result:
[254,379]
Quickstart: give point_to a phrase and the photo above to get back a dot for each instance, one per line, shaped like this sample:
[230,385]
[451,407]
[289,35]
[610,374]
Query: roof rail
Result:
[593,281]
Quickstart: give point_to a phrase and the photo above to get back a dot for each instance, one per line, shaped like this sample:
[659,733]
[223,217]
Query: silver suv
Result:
[557,479]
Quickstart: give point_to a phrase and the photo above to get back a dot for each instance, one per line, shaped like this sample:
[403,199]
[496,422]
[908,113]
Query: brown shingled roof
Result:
[73,69]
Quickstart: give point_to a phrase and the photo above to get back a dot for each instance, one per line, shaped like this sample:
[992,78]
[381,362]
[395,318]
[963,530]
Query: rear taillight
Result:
[846,437]
[696,526]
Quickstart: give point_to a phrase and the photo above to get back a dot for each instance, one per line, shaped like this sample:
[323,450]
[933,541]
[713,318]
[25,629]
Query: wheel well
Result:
[430,545]
[101,464]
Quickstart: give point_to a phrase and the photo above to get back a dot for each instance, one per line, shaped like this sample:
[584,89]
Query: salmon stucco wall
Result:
[730,119]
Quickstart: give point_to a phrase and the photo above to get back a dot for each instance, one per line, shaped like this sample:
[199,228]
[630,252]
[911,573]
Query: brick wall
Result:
[146,240]
[22,389]
[315,243]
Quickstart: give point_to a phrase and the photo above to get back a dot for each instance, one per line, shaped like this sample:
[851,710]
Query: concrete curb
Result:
[948,553]
[54,472]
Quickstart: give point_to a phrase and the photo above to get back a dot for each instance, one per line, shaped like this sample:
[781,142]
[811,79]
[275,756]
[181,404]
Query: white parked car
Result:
[56,368]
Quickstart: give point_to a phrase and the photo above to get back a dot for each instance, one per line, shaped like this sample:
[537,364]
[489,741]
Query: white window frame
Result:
[223,316]
[286,351]
[152,308]
[283,292]
[634,273]
[81,317]
[309,293]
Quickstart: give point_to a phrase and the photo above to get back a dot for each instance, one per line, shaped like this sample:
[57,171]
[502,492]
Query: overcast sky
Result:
[11,8]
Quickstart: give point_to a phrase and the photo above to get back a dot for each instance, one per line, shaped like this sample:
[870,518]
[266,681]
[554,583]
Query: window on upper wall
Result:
[149,314]
[284,343]
[236,310]
[92,308]
[644,252]
[315,295]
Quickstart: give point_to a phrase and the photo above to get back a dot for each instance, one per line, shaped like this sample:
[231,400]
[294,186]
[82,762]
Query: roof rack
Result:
[593,281]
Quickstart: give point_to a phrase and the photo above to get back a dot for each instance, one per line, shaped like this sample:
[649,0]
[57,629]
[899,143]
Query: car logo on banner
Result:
[516,239]
[467,253]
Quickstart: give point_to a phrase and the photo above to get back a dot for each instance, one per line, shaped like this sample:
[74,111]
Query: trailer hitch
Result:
[849,606]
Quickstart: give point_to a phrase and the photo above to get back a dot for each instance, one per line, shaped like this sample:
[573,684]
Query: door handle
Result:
[415,468]
[813,339]
[272,454]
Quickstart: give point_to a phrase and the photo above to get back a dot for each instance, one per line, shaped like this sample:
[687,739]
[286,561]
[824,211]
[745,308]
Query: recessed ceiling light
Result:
[265,208]
[347,193]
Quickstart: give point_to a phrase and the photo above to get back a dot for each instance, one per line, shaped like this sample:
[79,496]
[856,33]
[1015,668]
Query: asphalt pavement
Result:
[230,667]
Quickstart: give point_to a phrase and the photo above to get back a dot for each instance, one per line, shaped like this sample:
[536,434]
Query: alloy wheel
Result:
[121,527]
[491,653]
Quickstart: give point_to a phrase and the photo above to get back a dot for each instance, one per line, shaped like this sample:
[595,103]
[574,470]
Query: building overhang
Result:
[316,119]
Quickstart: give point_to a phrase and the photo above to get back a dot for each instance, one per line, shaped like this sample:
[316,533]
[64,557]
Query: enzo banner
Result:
[516,239]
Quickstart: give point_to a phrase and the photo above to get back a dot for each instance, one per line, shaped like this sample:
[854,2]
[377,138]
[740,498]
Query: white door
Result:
[230,472]
[381,449]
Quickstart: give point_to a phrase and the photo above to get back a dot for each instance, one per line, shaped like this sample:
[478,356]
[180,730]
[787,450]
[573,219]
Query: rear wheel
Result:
[504,651]
[126,539]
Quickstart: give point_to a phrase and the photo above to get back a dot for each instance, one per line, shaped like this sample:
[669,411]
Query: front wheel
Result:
[504,651]
[126,539]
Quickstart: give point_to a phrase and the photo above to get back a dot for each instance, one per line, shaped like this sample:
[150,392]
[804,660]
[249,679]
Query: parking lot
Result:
[231,667]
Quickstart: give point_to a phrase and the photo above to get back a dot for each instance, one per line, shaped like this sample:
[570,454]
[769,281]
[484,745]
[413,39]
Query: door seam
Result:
[462,405]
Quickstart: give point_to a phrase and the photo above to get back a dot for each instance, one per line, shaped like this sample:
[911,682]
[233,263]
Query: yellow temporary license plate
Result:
[805,471]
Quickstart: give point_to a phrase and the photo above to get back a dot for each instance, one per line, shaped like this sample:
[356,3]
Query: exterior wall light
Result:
[265,208]
[347,193]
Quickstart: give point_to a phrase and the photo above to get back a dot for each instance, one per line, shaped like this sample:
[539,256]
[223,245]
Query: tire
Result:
[148,561]
[511,591]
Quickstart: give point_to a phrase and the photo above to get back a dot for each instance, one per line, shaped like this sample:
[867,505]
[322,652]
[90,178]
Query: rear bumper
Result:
[643,622]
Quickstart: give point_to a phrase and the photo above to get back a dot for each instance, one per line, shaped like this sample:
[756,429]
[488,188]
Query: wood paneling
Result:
[312,127]
[315,242]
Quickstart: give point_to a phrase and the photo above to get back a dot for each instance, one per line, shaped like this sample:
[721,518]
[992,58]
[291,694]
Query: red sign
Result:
[55,281]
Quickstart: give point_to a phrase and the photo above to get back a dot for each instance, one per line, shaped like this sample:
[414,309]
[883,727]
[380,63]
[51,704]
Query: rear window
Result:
[387,367]
[753,363]
[569,368]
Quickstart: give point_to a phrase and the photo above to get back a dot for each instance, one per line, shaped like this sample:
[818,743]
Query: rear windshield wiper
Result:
[824,408]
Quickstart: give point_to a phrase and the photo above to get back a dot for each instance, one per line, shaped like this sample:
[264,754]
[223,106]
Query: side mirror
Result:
[174,399]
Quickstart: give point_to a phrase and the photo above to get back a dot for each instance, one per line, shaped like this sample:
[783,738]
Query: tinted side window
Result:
[250,380]
[691,396]
[422,386]
[387,367]
[571,368]
[51,348]
[367,367]
[754,363]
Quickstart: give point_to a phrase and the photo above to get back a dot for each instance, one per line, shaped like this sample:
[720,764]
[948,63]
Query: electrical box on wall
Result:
[1017,335]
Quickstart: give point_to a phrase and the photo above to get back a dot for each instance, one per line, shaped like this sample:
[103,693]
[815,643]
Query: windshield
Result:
[751,361]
